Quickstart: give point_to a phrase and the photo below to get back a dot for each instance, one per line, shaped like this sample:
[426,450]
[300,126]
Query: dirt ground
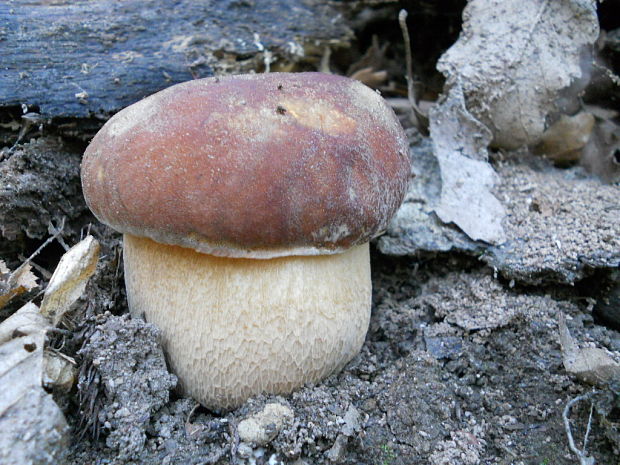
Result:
[462,364]
[457,368]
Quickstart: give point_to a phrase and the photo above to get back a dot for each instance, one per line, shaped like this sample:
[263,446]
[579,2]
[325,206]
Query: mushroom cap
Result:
[254,166]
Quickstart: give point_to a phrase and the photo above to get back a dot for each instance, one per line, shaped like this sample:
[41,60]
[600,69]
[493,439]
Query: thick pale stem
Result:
[235,327]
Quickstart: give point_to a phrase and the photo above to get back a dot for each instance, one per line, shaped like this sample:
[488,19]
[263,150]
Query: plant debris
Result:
[467,180]
[560,223]
[33,428]
[15,283]
[513,59]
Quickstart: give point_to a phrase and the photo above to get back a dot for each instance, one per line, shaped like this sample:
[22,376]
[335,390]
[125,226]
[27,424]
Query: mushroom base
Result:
[235,327]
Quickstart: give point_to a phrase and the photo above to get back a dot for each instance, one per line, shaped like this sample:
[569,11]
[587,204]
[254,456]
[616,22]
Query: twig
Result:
[49,240]
[45,273]
[402,20]
[87,231]
[583,458]
[585,438]
[324,65]
[191,413]
[56,232]
[29,119]
[422,119]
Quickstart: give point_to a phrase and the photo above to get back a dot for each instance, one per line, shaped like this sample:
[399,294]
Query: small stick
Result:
[422,119]
[585,438]
[191,413]
[402,20]
[49,240]
[324,65]
[583,458]
[56,232]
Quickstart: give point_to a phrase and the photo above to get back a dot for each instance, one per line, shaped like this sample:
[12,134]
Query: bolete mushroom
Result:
[246,204]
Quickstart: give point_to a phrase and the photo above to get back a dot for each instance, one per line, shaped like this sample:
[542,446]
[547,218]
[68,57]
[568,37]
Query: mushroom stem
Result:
[236,327]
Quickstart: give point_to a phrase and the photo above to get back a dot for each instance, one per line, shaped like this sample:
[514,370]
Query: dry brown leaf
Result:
[370,77]
[564,140]
[25,321]
[460,145]
[373,58]
[59,371]
[15,283]
[70,278]
[514,58]
[31,424]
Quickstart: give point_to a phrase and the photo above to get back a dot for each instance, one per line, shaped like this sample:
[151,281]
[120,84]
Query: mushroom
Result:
[247,203]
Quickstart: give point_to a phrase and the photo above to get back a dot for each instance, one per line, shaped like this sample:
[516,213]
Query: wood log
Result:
[79,58]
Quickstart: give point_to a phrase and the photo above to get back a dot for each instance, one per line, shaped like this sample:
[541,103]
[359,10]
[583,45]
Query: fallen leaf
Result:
[15,283]
[33,428]
[515,58]
[25,321]
[563,141]
[70,278]
[460,145]
[31,424]
[370,77]
[59,372]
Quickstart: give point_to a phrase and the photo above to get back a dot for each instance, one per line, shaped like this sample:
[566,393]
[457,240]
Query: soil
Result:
[457,368]
[462,364]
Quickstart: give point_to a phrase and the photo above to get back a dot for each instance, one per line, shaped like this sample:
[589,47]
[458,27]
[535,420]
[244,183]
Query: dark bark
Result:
[66,58]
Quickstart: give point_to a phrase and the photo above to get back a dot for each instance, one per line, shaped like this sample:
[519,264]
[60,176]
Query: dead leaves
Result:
[513,59]
[563,141]
[467,180]
[369,69]
[33,428]
[69,279]
[503,78]
[15,283]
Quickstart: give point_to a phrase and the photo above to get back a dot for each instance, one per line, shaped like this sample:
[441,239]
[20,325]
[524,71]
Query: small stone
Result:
[244,450]
[351,421]
[337,451]
[262,427]
[444,346]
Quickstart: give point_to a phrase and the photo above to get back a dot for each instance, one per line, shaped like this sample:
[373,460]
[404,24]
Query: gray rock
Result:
[444,346]
[560,223]
[337,451]
[352,421]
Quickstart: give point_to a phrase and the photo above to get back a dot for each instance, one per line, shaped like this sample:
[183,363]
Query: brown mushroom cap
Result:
[258,166]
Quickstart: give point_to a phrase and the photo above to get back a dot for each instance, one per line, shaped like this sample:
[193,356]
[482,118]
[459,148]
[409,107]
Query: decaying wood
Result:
[83,58]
